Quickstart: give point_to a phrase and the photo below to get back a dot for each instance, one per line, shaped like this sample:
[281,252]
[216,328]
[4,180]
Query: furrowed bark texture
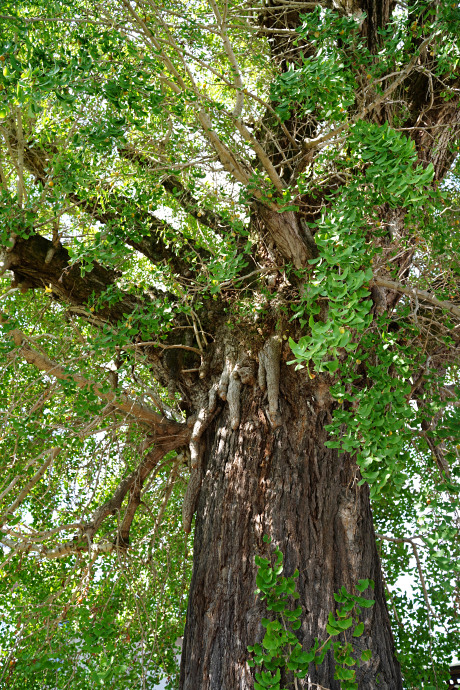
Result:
[287,484]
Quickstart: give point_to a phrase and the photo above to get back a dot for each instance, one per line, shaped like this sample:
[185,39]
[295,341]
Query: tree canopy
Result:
[173,171]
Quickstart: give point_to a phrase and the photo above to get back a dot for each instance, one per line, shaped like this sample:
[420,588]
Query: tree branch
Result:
[52,454]
[416,292]
[122,402]
[402,75]
[84,540]
[152,246]
[174,186]
[37,262]
[58,551]
[239,105]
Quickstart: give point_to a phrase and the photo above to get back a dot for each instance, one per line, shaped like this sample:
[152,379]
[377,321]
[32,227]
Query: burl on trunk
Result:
[276,477]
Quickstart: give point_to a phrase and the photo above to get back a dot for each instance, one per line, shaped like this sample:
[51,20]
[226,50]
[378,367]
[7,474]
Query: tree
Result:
[232,234]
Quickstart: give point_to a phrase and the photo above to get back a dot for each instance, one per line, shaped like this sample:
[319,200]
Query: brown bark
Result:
[286,233]
[37,263]
[377,13]
[285,483]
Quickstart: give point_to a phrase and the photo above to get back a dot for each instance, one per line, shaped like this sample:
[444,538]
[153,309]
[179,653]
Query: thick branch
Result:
[37,262]
[420,294]
[134,482]
[152,245]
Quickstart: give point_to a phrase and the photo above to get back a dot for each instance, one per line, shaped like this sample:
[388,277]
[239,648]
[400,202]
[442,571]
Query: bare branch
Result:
[400,540]
[239,105]
[58,551]
[44,534]
[416,292]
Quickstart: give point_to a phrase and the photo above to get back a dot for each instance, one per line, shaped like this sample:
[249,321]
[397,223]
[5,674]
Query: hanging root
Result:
[236,372]
[191,498]
[196,458]
[269,375]
[233,397]
[202,421]
[261,374]
[229,365]
[229,387]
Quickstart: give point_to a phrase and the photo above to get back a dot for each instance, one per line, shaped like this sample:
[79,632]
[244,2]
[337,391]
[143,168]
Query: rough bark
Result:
[36,263]
[285,483]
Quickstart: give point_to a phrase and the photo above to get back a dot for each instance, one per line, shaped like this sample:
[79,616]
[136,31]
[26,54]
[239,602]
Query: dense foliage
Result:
[140,144]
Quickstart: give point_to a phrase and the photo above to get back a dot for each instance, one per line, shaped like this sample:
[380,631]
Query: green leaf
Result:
[366,603]
[363,584]
[343,624]
[332,630]
[359,629]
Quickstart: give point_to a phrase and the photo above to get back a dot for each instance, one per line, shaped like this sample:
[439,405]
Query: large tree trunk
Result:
[285,483]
